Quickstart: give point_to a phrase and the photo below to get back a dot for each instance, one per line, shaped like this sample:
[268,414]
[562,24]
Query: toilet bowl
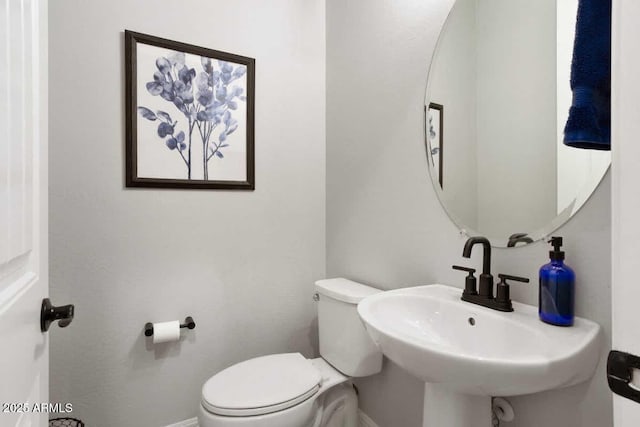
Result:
[288,390]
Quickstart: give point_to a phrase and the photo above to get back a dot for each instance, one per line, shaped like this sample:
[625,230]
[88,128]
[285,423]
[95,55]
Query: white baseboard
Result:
[365,421]
[193,422]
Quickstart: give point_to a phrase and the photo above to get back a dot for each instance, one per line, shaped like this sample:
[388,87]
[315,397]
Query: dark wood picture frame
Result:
[440,109]
[132,39]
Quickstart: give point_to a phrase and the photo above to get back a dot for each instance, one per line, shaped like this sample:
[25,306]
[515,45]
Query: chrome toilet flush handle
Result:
[316,297]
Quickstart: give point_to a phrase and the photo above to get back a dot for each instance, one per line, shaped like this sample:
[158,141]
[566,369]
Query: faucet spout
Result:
[486,256]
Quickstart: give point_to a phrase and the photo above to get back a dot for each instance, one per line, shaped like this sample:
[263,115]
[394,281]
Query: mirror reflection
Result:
[497,102]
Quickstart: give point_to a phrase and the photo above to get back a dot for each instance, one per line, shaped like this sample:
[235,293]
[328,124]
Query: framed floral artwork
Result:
[189,116]
[435,139]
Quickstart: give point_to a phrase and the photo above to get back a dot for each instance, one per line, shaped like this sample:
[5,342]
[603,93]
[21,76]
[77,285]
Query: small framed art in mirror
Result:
[435,137]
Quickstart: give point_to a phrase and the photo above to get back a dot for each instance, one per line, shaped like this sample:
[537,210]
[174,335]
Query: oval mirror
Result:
[497,101]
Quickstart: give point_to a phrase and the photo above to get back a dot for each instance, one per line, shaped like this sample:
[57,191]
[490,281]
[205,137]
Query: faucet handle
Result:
[504,277]
[470,281]
[503,297]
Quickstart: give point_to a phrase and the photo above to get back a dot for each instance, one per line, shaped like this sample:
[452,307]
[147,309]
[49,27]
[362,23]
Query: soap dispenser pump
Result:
[557,288]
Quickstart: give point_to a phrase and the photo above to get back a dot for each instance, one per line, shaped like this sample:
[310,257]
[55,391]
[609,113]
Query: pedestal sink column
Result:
[445,408]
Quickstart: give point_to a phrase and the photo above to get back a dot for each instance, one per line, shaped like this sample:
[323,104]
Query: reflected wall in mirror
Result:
[501,69]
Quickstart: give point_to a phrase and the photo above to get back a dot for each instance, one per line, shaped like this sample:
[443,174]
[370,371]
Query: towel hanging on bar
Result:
[589,122]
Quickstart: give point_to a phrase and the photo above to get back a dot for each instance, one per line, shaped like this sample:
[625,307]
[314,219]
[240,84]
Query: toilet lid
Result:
[262,385]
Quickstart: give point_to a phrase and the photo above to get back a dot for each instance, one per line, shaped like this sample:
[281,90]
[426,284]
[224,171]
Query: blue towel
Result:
[589,122]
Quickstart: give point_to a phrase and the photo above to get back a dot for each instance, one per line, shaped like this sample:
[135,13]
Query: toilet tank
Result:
[344,342]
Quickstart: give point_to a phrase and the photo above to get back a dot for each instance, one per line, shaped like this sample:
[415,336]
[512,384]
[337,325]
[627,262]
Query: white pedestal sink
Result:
[466,353]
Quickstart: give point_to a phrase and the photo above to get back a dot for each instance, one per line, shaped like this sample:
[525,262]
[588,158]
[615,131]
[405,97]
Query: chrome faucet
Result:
[484,295]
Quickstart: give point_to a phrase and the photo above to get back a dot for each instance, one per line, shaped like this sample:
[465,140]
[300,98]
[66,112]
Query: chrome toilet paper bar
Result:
[188,323]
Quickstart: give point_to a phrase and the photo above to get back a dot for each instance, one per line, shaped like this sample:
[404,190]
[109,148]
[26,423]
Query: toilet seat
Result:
[261,386]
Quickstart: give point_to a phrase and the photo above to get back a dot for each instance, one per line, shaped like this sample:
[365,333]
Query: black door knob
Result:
[49,314]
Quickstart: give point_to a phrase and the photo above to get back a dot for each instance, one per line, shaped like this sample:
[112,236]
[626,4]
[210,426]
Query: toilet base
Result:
[340,407]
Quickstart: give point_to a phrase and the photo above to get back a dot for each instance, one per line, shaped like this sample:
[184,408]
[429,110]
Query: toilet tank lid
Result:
[345,290]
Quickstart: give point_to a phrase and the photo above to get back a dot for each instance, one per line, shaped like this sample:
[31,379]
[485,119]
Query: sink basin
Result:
[470,349]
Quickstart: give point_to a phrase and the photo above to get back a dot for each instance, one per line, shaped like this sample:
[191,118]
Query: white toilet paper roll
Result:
[166,331]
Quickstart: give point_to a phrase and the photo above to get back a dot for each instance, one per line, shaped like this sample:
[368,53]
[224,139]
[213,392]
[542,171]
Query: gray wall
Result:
[385,225]
[241,263]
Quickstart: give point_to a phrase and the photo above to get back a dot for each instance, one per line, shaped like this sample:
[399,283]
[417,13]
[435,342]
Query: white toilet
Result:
[287,390]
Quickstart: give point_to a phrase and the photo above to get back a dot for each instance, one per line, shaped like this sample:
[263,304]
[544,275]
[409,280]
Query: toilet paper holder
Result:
[188,323]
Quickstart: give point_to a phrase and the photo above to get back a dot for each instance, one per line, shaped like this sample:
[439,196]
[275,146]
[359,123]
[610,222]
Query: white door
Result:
[626,195]
[23,211]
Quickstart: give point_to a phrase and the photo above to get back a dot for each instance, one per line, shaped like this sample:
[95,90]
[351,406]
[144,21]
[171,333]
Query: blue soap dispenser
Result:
[557,288]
